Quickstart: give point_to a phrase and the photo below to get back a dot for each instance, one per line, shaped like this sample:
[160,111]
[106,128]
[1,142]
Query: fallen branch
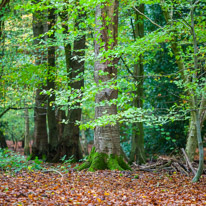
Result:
[188,161]
[56,172]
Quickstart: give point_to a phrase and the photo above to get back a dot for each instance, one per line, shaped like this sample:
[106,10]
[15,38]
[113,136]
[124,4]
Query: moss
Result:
[92,153]
[123,164]
[112,163]
[101,161]
[83,166]
[98,162]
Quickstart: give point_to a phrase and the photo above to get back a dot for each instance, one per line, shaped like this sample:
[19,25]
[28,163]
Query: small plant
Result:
[14,162]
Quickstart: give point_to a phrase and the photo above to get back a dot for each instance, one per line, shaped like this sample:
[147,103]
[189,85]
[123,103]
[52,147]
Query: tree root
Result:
[102,161]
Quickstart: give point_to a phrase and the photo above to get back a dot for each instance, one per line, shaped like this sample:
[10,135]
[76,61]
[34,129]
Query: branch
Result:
[188,161]
[129,69]
[133,30]
[4,3]
[52,170]
[148,18]
[13,108]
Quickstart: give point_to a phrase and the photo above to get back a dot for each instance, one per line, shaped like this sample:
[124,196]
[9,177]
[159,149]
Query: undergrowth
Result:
[14,162]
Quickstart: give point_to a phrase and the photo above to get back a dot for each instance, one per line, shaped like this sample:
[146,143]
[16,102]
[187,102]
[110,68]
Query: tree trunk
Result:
[106,139]
[26,134]
[60,126]
[52,123]
[137,147]
[106,153]
[195,101]
[40,145]
[3,142]
[192,141]
[70,142]
[84,143]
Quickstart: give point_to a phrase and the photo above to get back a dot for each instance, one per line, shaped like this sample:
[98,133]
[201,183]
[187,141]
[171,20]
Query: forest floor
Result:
[55,187]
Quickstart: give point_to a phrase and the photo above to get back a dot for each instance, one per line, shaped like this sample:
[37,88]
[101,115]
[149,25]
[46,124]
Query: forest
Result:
[102,102]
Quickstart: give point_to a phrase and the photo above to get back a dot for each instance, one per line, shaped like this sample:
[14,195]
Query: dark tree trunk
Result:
[52,123]
[71,130]
[2,141]
[40,145]
[26,133]
[2,39]
[70,143]
[137,148]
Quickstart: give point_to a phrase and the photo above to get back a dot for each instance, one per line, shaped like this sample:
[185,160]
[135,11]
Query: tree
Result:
[69,144]
[26,134]
[137,146]
[191,83]
[106,153]
[40,146]
[52,122]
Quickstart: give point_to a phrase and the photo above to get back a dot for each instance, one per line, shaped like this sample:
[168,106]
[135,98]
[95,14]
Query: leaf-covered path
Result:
[100,188]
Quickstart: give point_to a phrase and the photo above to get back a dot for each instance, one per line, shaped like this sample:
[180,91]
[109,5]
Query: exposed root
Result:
[101,161]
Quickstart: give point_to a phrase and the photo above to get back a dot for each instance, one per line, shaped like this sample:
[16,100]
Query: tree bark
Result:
[192,140]
[137,147]
[195,101]
[107,150]
[70,142]
[40,145]
[26,133]
[107,138]
[51,116]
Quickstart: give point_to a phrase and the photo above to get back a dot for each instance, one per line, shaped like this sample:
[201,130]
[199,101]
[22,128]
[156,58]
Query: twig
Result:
[188,161]
[128,69]
[56,172]
[148,18]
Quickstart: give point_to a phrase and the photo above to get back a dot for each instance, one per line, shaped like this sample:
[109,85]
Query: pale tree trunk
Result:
[84,143]
[107,138]
[106,153]
[197,106]
[26,133]
[40,145]
[51,116]
[195,101]
[137,147]
[192,140]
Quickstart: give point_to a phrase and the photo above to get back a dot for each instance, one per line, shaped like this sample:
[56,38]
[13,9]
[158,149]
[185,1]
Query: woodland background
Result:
[47,86]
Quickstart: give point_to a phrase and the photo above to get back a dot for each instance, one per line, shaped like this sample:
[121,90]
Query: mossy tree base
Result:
[102,161]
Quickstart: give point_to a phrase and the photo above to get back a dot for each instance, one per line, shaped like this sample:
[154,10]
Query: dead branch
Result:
[188,161]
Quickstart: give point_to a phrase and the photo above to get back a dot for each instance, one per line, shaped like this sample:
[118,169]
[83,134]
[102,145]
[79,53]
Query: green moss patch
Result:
[101,161]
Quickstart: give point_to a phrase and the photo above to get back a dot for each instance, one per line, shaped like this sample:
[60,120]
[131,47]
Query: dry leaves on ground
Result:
[100,188]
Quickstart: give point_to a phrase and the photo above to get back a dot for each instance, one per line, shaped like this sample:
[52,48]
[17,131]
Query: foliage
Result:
[14,162]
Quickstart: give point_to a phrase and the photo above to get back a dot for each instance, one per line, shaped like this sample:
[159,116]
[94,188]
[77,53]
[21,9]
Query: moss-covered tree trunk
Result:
[106,153]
